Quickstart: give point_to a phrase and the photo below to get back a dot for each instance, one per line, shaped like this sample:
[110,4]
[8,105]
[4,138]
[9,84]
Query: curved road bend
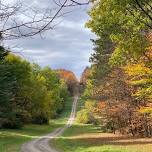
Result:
[41,144]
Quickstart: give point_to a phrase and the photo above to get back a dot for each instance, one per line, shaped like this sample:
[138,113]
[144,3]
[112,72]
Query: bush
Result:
[90,104]
[40,120]
[85,117]
[12,123]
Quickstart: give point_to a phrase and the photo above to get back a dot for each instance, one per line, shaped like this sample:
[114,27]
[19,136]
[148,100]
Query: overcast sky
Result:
[67,46]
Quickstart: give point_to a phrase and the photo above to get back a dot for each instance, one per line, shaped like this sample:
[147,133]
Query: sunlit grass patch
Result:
[88,138]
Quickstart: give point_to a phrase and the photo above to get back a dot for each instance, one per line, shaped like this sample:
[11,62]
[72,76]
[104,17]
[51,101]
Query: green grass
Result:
[12,139]
[89,138]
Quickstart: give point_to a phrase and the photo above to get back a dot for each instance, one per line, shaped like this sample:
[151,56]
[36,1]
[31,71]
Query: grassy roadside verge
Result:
[89,138]
[12,139]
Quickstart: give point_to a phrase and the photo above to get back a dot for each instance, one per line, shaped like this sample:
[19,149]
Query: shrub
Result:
[12,123]
[90,104]
[84,116]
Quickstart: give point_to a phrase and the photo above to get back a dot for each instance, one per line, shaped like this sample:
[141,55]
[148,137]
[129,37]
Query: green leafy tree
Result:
[122,64]
[29,93]
[14,75]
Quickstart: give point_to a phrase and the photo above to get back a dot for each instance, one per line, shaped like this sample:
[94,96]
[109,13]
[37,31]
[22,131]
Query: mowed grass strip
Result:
[12,139]
[87,138]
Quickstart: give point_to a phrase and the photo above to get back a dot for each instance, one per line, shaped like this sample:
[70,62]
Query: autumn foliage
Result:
[121,81]
[69,78]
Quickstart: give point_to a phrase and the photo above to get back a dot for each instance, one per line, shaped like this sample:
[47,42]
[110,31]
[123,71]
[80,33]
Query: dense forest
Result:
[118,86]
[29,93]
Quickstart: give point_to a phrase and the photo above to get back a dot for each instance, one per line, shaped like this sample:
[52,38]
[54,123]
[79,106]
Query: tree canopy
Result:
[121,68]
[29,93]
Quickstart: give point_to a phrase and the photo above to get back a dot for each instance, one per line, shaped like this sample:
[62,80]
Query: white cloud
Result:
[67,46]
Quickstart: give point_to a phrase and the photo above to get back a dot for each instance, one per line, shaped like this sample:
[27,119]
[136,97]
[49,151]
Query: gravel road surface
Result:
[41,144]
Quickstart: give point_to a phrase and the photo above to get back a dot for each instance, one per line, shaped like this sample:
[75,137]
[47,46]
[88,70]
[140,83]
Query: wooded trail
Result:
[42,144]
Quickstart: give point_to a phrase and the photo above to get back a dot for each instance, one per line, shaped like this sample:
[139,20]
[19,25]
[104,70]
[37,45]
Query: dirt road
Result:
[41,144]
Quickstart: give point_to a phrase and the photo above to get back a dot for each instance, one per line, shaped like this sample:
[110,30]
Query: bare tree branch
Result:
[18,20]
[143,10]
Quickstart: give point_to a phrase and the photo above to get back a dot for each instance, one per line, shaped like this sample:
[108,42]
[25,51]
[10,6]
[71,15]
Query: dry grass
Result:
[112,139]
[88,139]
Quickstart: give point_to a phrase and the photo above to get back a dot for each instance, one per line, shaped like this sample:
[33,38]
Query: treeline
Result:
[70,79]
[119,88]
[28,93]
[83,79]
